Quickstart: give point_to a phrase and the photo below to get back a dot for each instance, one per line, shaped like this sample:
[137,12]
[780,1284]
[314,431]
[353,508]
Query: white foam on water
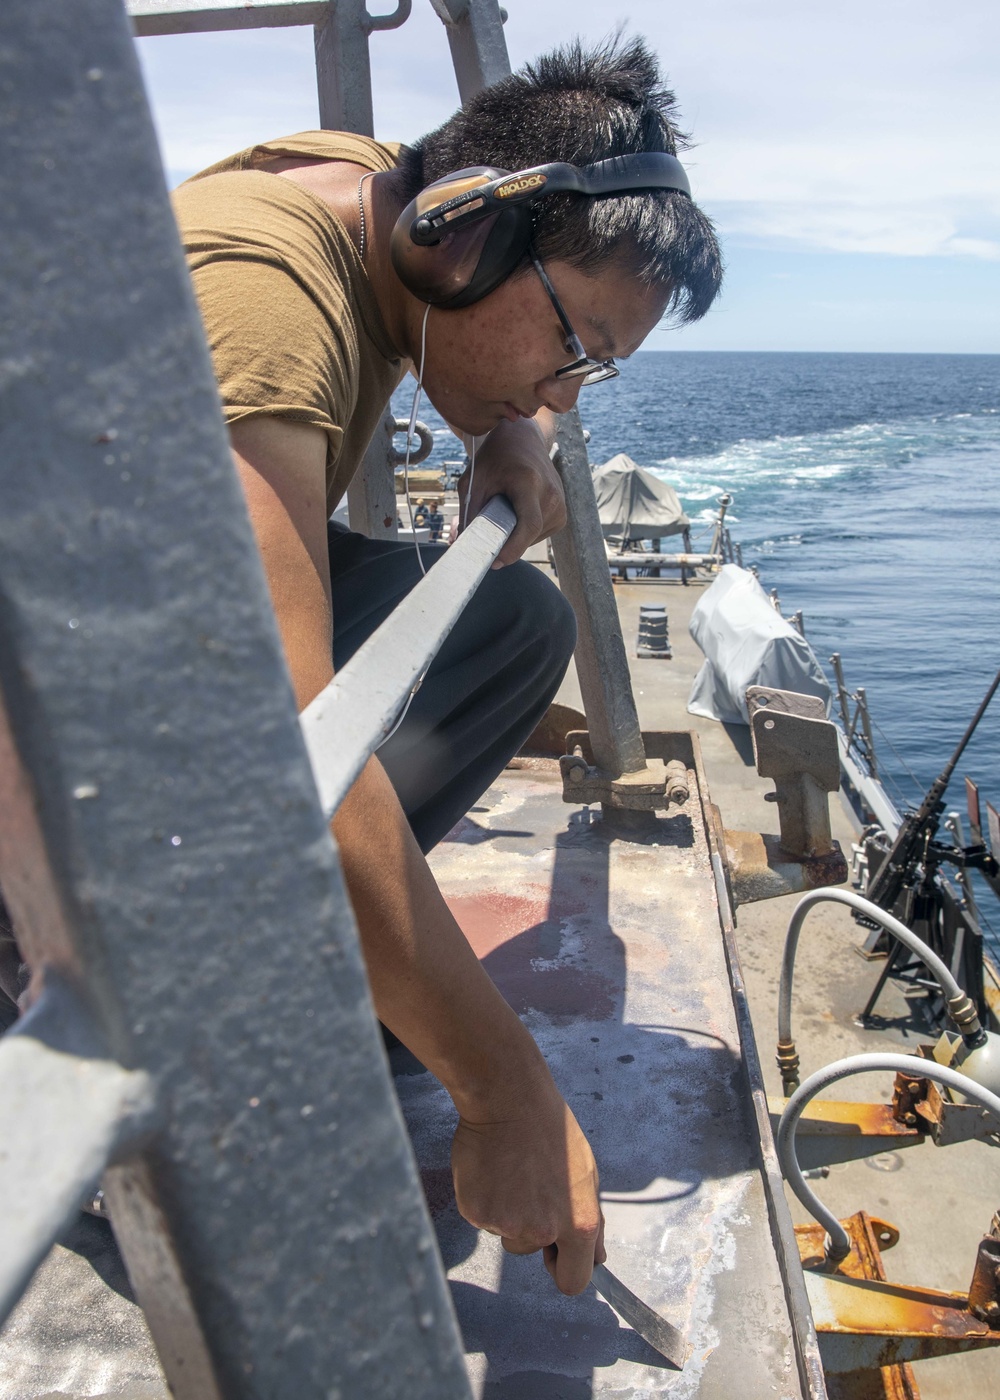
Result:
[811,459]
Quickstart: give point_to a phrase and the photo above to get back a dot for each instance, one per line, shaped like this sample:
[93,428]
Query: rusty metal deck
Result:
[615,955]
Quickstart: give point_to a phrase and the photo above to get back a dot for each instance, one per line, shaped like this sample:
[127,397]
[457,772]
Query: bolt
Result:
[576,775]
[910,1118]
[913,1087]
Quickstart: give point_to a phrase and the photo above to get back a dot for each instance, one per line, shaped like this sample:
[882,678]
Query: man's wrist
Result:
[504,1082]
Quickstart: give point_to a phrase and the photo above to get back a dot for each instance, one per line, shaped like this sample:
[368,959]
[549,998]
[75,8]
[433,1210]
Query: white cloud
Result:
[871,126]
[901,230]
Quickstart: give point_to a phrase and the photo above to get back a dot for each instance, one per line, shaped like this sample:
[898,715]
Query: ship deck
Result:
[617,955]
[942,1199]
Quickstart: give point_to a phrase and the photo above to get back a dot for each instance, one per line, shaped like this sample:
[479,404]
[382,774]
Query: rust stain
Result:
[888,1383]
[855,1300]
[492,919]
[823,1118]
[511,934]
[863,1312]
[827,869]
[869,1235]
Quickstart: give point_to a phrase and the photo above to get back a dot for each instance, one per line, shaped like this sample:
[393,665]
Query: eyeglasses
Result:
[583,367]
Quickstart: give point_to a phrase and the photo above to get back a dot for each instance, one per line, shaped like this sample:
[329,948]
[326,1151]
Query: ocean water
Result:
[867,491]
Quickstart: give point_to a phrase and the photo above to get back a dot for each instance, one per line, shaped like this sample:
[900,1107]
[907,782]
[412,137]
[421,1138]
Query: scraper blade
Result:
[652,1328]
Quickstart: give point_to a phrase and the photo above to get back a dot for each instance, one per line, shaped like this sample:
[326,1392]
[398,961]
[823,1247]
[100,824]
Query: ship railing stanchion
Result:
[202,1037]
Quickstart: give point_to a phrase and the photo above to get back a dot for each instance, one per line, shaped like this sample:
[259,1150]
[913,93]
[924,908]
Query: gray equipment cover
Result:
[635,505]
[747,642]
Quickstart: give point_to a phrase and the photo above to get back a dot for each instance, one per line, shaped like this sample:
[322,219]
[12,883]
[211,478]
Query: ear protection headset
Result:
[464,234]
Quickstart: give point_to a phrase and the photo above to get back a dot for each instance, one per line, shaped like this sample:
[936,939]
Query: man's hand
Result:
[514,462]
[530,1177]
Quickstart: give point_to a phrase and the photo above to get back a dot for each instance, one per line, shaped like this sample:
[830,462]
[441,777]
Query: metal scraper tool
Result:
[652,1328]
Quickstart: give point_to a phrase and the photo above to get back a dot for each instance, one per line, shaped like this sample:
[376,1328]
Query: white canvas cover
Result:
[635,505]
[746,642]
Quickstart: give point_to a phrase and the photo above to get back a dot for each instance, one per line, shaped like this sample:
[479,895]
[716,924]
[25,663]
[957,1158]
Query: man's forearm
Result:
[428,985]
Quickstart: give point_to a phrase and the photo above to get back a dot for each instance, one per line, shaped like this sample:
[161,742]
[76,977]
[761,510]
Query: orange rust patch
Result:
[511,934]
[490,919]
[841,1118]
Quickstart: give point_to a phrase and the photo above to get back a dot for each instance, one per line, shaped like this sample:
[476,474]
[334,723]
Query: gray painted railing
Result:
[201,1037]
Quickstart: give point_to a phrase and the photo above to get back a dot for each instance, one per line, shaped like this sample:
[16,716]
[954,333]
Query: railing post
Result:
[842,696]
[371,496]
[479,51]
[344,80]
[475,37]
[584,576]
[866,730]
[343,64]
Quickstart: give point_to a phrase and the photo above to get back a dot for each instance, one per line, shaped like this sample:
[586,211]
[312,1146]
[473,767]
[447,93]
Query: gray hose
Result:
[838,1244]
[960,1007]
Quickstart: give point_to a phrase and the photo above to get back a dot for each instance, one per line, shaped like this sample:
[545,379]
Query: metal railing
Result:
[857,726]
[148,737]
[361,706]
[161,842]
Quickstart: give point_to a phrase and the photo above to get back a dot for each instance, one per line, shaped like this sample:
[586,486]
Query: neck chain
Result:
[361,210]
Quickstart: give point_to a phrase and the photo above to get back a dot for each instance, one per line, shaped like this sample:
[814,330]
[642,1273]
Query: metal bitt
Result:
[162,851]
[653,641]
[796,745]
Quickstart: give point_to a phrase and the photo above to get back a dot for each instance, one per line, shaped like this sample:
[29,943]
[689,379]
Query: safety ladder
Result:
[203,1043]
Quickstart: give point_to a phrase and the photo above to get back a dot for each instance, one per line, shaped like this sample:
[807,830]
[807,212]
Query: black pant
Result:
[486,689]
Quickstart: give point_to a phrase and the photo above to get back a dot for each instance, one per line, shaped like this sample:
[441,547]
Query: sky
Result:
[849,153]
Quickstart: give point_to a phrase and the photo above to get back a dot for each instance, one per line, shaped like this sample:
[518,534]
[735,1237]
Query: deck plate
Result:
[612,953]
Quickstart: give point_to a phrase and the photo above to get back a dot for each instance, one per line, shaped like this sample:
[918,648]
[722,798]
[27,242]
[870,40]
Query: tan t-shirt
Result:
[290,316]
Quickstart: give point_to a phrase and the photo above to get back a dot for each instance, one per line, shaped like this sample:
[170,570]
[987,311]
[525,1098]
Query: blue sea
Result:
[867,491]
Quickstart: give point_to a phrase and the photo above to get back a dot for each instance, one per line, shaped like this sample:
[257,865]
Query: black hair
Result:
[584,105]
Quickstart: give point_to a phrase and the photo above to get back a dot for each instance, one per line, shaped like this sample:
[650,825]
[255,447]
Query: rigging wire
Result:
[922,787]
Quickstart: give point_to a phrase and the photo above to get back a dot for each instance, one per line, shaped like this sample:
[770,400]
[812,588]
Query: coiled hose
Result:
[960,1006]
[838,1244]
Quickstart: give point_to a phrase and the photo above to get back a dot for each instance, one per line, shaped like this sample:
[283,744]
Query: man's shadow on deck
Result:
[660,1091]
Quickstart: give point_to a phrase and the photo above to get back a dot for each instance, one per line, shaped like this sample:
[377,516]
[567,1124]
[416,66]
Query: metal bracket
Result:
[931,1108]
[866,1323]
[796,745]
[660,784]
[984,1290]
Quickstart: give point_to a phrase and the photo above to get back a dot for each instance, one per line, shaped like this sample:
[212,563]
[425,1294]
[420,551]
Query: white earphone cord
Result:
[409,442]
[472,477]
[409,504]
